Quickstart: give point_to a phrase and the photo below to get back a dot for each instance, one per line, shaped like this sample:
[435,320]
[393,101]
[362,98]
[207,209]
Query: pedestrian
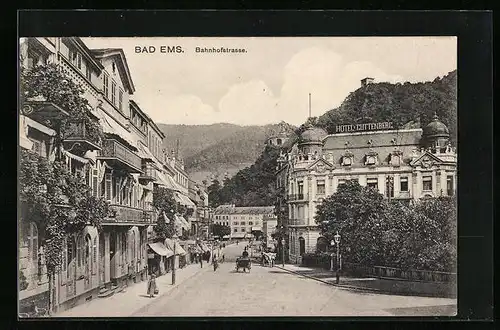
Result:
[223,257]
[201,261]
[152,289]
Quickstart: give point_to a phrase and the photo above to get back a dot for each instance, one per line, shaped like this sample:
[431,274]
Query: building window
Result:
[235,230]
[73,56]
[403,184]
[371,160]
[235,223]
[113,92]
[105,82]
[301,188]
[243,229]
[346,161]
[250,223]
[243,223]
[427,183]
[79,61]
[278,142]
[88,73]
[120,100]
[320,187]
[302,245]
[39,148]
[88,251]
[341,181]
[80,250]
[449,185]
[31,236]
[372,183]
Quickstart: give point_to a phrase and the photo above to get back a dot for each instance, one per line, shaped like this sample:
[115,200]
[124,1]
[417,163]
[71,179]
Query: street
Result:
[269,291]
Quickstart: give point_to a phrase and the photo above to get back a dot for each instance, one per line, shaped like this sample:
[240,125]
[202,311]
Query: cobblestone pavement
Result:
[269,291]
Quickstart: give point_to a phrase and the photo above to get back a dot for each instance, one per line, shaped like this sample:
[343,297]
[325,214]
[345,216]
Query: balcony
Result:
[126,215]
[79,138]
[297,222]
[148,173]
[117,155]
[297,197]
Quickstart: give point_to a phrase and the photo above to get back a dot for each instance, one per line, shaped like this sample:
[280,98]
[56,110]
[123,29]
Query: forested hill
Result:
[404,104]
[399,103]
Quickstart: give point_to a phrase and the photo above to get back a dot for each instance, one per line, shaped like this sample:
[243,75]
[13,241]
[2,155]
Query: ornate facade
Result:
[405,164]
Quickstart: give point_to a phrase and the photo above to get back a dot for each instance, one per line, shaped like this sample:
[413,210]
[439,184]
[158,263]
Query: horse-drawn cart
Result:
[243,263]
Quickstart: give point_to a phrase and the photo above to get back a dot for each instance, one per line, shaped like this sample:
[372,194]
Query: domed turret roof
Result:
[436,128]
[313,134]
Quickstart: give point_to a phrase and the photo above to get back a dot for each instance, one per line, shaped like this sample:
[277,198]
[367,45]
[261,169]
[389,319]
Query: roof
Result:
[313,134]
[229,209]
[358,140]
[86,52]
[122,64]
[436,128]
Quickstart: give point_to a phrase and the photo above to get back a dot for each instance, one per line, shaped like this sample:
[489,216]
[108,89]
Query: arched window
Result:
[302,245]
[133,250]
[124,249]
[79,252]
[94,256]
[71,256]
[88,254]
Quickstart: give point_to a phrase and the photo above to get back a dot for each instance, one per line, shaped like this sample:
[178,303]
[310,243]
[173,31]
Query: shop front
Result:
[158,256]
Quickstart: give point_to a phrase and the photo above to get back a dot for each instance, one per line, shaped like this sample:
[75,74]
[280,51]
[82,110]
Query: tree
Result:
[166,206]
[49,193]
[358,214]
[52,84]
[214,197]
[220,230]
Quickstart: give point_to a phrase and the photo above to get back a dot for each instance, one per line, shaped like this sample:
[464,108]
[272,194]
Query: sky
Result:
[271,81]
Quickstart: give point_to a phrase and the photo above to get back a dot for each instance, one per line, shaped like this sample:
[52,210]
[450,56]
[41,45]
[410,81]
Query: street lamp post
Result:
[283,252]
[174,238]
[337,242]
[332,243]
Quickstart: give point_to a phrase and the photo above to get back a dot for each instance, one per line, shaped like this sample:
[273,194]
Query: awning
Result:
[36,125]
[256,229]
[161,249]
[110,126]
[184,200]
[226,236]
[238,235]
[169,243]
[163,181]
[203,247]
[75,157]
[182,222]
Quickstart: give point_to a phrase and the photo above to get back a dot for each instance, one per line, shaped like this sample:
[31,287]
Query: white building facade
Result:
[404,164]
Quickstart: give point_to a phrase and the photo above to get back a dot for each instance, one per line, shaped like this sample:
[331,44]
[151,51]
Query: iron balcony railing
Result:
[114,149]
[128,214]
[296,222]
[80,131]
[149,172]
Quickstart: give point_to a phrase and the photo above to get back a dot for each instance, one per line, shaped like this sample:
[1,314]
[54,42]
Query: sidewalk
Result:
[375,285]
[134,297]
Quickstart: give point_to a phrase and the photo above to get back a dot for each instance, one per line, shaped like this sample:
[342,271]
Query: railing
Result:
[297,197]
[297,222]
[149,171]
[80,131]
[114,149]
[126,214]
[396,273]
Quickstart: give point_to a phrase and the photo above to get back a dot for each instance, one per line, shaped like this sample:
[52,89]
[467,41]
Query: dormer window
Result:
[395,158]
[346,161]
[113,67]
[371,158]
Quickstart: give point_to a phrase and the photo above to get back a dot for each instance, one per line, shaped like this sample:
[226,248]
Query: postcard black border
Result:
[474,32]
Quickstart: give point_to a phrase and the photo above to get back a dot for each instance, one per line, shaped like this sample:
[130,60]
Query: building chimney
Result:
[366,81]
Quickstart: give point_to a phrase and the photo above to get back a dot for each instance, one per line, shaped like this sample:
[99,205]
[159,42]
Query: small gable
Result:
[427,160]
